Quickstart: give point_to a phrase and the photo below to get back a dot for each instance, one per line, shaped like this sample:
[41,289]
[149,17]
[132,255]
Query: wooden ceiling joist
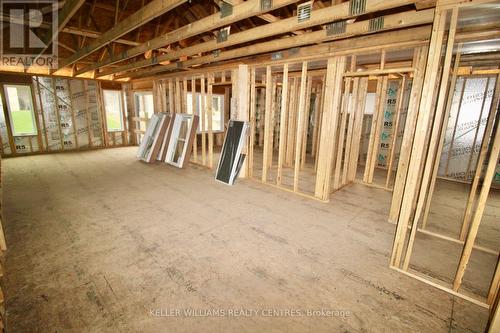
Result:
[407,38]
[139,18]
[270,18]
[242,11]
[72,30]
[318,17]
[394,21]
[95,34]
[65,14]
[67,11]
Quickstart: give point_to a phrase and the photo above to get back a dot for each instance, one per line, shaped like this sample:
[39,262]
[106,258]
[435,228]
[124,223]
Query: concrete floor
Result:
[100,242]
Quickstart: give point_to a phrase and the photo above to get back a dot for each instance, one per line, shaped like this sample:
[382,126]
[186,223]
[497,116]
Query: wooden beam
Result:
[449,4]
[394,21]
[409,38]
[244,10]
[142,16]
[291,126]
[210,112]
[266,17]
[332,100]
[251,141]
[482,156]
[376,128]
[350,113]
[337,180]
[494,322]
[395,128]
[283,124]
[193,103]
[439,152]
[337,12]
[380,72]
[95,34]
[436,128]
[408,134]
[65,14]
[418,147]
[304,138]
[359,111]
[270,18]
[481,203]
[267,125]
[203,117]
[300,126]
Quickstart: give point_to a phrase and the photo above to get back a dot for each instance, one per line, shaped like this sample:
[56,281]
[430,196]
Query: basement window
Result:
[113,106]
[217,112]
[21,111]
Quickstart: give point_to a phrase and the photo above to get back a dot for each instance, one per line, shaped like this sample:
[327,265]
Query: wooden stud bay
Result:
[300,125]
[267,125]
[480,162]
[283,124]
[476,219]
[333,94]
[434,136]
[430,78]
[409,130]
[193,103]
[395,129]
[304,138]
[210,114]
[252,119]
[203,122]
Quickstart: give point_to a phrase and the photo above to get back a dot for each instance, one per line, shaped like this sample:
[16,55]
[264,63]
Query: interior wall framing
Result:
[436,118]
[69,115]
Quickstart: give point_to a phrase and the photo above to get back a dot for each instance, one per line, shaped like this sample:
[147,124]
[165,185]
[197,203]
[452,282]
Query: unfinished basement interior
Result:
[250,166]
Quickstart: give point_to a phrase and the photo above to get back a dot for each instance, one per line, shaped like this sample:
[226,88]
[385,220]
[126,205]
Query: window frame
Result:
[121,111]
[141,94]
[9,111]
[197,112]
[175,138]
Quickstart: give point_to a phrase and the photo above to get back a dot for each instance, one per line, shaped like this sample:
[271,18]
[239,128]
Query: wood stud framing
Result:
[283,124]
[419,139]
[488,132]
[415,182]
[41,121]
[300,126]
[267,152]
[320,137]
[332,100]
[327,14]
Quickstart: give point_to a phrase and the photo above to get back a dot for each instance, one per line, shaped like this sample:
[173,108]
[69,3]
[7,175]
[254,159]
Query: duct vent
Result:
[357,7]
[304,11]
[376,24]
[266,4]
[336,28]
[222,34]
[225,9]
[277,56]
